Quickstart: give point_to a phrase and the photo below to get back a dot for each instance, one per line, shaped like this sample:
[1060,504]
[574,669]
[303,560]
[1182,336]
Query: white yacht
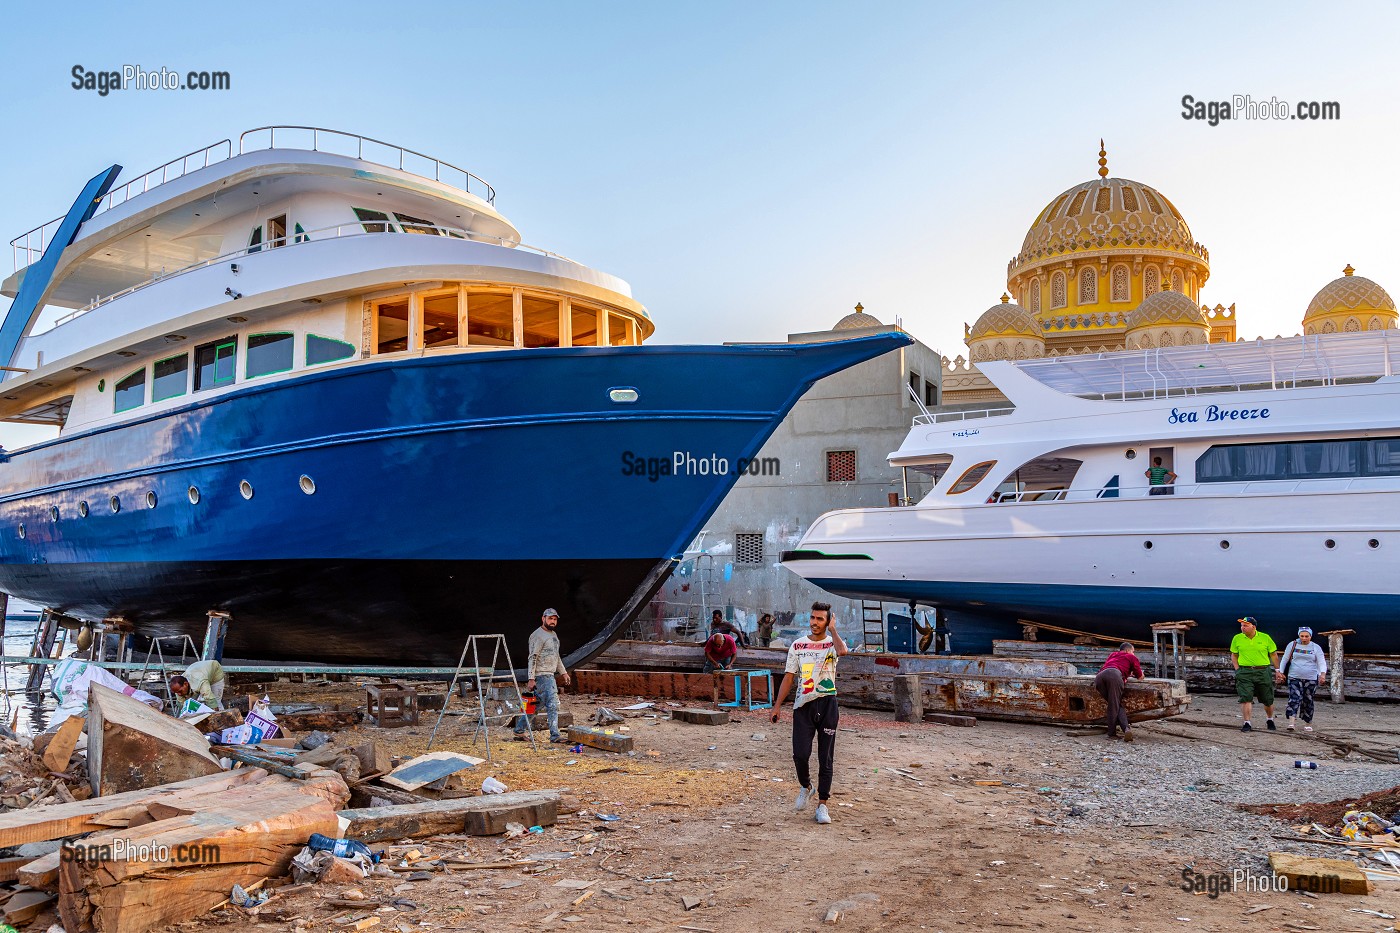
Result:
[1280,497]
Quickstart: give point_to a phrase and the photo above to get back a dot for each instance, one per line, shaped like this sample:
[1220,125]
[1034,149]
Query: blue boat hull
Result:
[453,494]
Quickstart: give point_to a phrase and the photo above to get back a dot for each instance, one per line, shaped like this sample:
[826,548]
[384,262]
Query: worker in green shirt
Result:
[1159,478]
[1255,659]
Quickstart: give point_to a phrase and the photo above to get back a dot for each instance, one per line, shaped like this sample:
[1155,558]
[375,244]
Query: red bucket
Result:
[529,699]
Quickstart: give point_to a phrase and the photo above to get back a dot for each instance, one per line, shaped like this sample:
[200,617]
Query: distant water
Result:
[33,716]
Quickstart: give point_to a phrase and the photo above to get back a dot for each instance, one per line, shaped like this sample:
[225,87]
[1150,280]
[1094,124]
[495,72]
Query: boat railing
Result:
[337,142]
[1237,488]
[321,234]
[31,245]
[939,417]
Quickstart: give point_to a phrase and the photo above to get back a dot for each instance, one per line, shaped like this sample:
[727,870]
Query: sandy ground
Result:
[705,812]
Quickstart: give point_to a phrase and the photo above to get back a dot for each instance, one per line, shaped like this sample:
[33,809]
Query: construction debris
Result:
[1320,875]
[605,739]
[131,746]
[425,769]
[59,748]
[702,717]
[478,816]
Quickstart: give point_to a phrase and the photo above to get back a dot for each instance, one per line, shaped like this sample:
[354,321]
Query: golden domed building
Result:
[1111,264]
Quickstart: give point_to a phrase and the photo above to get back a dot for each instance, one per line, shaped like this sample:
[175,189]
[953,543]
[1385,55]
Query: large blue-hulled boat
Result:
[316,382]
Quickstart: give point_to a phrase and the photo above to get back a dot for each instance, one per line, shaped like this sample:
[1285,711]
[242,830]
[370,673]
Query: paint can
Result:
[1309,765]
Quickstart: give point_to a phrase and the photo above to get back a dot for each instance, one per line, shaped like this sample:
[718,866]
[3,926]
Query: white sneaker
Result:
[1290,723]
[804,794]
[822,816]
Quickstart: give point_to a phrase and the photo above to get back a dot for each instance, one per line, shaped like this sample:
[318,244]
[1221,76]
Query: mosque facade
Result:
[1111,264]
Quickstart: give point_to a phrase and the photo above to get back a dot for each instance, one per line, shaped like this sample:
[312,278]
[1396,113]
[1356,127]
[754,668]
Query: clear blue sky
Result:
[758,168]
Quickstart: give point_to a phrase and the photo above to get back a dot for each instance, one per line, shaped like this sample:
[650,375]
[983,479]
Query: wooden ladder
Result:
[872,616]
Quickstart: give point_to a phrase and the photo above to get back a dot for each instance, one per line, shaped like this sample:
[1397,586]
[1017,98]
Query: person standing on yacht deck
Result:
[1120,665]
[1306,664]
[1255,658]
[1159,478]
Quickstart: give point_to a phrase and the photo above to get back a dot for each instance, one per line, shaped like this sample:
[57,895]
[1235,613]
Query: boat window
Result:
[368,217]
[269,354]
[131,391]
[540,317]
[301,236]
[215,363]
[326,350]
[277,232]
[416,224]
[972,476]
[490,320]
[620,331]
[170,378]
[585,326]
[255,241]
[1322,459]
[440,326]
[391,325]
[1039,479]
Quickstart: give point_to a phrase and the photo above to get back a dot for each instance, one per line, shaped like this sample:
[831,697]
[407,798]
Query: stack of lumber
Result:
[162,855]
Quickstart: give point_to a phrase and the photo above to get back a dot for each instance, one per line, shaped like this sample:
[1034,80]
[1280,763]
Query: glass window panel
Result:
[277,231]
[585,326]
[490,320]
[367,218]
[541,321]
[131,391]
[214,363]
[269,353]
[972,476]
[416,224]
[1383,456]
[619,331]
[440,321]
[170,378]
[255,241]
[326,350]
[392,325]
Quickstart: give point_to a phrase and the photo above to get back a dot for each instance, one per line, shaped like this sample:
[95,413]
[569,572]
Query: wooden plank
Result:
[437,817]
[10,867]
[1320,875]
[492,820]
[132,747]
[41,873]
[374,758]
[60,747]
[324,720]
[40,824]
[702,717]
[425,769]
[950,719]
[363,796]
[908,698]
[603,739]
[26,905]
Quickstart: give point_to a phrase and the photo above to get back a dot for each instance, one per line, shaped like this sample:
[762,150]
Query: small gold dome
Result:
[1354,295]
[1006,319]
[857,320]
[1166,308]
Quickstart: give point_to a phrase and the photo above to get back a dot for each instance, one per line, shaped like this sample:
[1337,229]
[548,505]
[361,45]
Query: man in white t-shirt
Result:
[811,664]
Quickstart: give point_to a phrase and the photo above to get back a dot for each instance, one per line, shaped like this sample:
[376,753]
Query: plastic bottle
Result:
[1300,763]
[340,848]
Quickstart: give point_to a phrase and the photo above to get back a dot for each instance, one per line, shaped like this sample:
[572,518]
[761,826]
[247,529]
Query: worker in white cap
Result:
[545,664]
[1304,663]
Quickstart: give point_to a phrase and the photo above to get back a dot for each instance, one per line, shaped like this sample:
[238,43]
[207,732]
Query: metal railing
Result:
[942,416]
[321,234]
[1235,488]
[399,157]
[33,243]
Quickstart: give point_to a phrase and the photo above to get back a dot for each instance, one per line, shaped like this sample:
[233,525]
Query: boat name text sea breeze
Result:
[1216,413]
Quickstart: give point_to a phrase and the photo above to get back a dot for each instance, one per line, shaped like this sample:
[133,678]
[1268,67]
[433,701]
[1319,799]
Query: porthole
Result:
[151,499]
[1129,454]
[1147,545]
[116,504]
[245,489]
[1224,545]
[83,508]
[193,493]
[307,484]
[1374,543]
[53,513]
[1329,544]
[21,530]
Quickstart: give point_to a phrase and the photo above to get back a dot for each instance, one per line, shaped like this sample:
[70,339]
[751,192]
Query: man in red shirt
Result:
[1120,665]
[720,652]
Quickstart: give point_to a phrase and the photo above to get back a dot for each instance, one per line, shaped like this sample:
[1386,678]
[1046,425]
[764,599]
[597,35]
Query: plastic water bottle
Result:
[1310,765]
[340,848]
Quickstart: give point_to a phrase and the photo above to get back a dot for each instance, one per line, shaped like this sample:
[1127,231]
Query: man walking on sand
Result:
[811,662]
[1255,658]
[1120,665]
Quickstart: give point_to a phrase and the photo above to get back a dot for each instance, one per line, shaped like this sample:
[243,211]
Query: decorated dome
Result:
[857,319]
[1107,214]
[1166,308]
[1006,319]
[1352,297]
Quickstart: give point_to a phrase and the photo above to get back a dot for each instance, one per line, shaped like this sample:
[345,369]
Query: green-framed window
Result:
[131,391]
[215,363]
[374,221]
[269,354]
[255,240]
[170,377]
[326,350]
[299,234]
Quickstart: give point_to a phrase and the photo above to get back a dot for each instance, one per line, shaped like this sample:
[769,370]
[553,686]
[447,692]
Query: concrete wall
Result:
[866,409]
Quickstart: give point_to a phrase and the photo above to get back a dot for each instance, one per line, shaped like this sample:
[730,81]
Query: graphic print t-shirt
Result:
[813,666]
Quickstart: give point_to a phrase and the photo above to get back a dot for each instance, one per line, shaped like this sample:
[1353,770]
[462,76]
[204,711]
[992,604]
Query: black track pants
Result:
[818,718]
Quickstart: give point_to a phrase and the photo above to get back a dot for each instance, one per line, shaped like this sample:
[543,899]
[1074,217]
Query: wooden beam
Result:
[950,719]
[416,821]
[1320,875]
[60,747]
[701,717]
[600,738]
[908,698]
[131,746]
